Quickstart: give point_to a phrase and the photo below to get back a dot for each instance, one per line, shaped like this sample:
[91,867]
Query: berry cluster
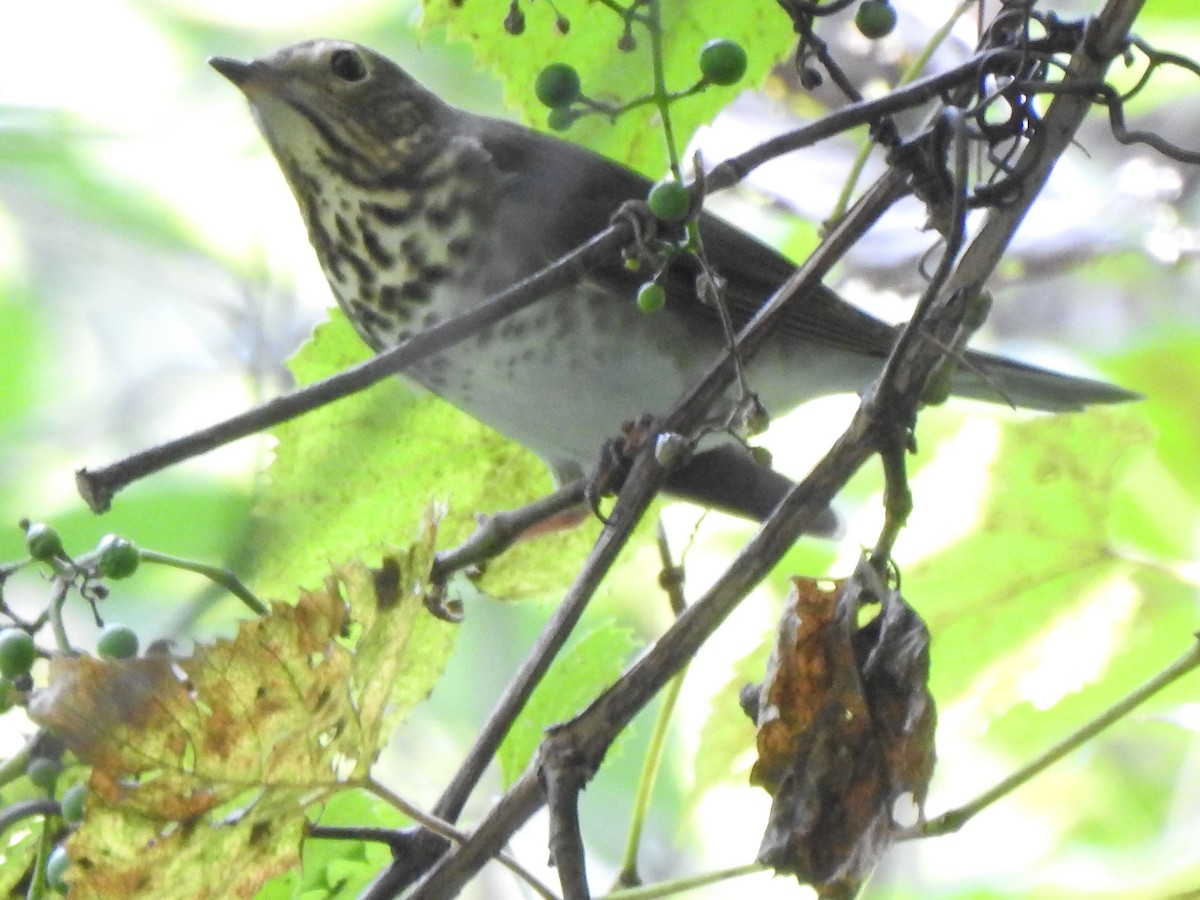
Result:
[113,558]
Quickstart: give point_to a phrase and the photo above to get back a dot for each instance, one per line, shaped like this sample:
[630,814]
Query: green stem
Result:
[216,574]
[662,97]
[37,884]
[953,820]
[651,766]
[14,767]
[679,885]
[614,110]
[61,587]
[444,829]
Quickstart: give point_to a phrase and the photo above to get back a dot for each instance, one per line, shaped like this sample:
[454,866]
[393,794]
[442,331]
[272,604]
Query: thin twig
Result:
[440,827]
[676,886]
[952,821]
[98,486]
[497,532]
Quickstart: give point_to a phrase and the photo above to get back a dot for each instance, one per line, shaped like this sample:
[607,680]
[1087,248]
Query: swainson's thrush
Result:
[418,210]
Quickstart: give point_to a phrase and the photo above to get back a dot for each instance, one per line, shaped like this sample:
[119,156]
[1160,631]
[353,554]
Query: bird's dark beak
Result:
[235,70]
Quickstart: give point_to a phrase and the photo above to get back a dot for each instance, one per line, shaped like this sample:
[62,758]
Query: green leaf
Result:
[1039,563]
[1155,513]
[725,749]
[339,868]
[591,664]
[1168,375]
[360,473]
[18,847]
[612,76]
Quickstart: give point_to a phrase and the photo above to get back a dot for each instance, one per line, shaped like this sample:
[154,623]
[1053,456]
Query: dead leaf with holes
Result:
[845,731]
[204,768]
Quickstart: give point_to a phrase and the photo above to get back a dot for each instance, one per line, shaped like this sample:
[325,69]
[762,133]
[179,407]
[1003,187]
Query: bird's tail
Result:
[995,379]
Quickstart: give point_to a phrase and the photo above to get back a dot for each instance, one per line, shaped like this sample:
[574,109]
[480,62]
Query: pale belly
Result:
[563,376]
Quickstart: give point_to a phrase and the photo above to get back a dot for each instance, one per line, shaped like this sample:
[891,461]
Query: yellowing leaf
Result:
[204,767]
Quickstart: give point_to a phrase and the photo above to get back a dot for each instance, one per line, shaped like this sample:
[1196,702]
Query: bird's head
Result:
[337,104]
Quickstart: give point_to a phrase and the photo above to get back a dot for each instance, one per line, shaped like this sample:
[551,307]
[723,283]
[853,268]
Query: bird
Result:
[419,210]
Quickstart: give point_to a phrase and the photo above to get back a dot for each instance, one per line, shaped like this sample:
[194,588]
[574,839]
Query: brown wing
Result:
[575,192]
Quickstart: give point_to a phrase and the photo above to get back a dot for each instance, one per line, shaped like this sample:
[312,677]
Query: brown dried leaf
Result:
[845,725]
[204,767]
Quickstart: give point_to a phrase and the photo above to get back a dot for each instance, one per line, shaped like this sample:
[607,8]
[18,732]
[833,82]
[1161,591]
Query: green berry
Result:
[722,61]
[72,802]
[875,18]
[670,201]
[17,652]
[56,869]
[6,694]
[561,118]
[42,542]
[651,297]
[117,642]
[557,85]
[43,772]
[119,558]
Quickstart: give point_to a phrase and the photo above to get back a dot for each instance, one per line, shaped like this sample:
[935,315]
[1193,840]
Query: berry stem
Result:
[651,766]
[24,809]
[14,767]
[216,574]
[38,889]
[662,97]
[61,587]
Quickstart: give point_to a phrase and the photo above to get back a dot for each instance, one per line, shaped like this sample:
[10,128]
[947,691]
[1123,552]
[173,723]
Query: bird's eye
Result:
[347,65]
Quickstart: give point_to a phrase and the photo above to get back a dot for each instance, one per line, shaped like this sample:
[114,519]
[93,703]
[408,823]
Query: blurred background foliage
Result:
[154,277]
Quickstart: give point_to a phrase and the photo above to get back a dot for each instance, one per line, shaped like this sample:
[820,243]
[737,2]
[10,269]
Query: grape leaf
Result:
[591,664]
[204,767]
[359,473]
[1042,542]
[613,76]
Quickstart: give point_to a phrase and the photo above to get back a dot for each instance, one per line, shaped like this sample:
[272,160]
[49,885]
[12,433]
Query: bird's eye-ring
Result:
[347,65]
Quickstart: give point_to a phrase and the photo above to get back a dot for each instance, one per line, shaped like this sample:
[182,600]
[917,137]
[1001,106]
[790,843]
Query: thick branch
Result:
[894,398]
